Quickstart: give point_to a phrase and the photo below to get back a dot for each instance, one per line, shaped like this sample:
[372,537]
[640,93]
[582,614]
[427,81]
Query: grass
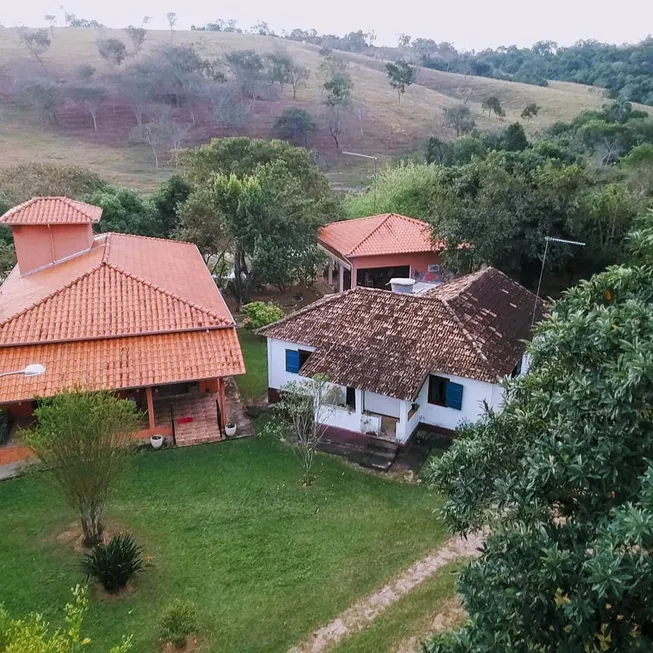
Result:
[377,125]
[410,616]
[230,527]
[254,384]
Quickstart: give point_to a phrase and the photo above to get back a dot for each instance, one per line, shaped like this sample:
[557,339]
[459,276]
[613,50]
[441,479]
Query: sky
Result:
[472,24]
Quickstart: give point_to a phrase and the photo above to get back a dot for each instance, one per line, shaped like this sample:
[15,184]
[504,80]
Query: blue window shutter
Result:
[292,361]
[454,395]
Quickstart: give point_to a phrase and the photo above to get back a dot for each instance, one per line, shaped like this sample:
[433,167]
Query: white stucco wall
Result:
[381,404]
[474,393]
[277,375]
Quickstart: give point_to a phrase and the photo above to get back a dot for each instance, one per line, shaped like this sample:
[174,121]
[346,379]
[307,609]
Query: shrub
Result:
[260,314]
[178,621]
[115,563]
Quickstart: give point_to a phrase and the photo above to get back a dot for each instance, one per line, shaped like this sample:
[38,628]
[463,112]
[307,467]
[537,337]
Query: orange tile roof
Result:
[125,285]
[131,311]
[115,363]
[52,210]
[388,233]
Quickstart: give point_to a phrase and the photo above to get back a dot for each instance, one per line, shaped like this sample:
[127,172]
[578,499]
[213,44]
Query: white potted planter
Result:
[157,441]
[230,429]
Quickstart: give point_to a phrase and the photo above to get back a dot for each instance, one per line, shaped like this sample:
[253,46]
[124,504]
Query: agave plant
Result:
[116,563]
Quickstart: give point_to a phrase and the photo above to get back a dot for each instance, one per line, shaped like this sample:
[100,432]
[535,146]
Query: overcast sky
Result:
[469,24]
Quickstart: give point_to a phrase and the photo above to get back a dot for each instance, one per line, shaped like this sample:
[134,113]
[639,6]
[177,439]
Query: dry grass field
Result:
[377,125]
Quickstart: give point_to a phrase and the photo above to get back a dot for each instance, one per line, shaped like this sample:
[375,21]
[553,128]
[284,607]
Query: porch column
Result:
[222,398]
[402,425]
[341,284]
[330,272]
[150,407]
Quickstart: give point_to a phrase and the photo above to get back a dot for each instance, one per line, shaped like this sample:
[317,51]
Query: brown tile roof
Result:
[114,363]
[388,343]
[388,233]
[131,308]
[52,210]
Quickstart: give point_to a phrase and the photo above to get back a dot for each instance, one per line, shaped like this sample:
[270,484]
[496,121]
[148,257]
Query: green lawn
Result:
[412,615]
[254,384]
[230,526]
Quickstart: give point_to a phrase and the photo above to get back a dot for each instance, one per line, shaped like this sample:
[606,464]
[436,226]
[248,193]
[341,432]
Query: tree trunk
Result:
[94,116]
[156,158]
[92,529]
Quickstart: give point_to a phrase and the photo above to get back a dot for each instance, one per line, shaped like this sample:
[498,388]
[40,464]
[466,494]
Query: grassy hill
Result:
[377,125]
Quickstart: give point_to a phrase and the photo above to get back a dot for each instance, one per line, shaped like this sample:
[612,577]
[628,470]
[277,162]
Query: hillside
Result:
[377,125]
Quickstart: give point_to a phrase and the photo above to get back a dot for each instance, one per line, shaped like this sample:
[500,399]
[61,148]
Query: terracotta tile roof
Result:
[388,233]
[52,210]
[126,285]
[388,342]
[116,363]
[496,311]
[131,311]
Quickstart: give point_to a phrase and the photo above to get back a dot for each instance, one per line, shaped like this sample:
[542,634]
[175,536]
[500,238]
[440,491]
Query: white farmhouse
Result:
[404,360]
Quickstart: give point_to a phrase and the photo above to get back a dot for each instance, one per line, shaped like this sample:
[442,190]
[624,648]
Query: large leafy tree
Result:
[82,439]
[260,201]
[563,479]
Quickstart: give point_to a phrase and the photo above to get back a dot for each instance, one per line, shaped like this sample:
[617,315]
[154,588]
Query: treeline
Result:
[584,181]
[626,71]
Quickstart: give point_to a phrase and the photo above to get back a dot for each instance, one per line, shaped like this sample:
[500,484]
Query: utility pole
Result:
[373,158]
[549,239]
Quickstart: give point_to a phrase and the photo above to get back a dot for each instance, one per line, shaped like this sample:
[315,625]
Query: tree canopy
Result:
[563,479]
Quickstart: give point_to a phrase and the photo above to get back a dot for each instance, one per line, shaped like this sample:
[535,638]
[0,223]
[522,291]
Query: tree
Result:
[297,77]
[161,132]
[85,73]
[438,151]
[82,438]
[262,29]
[36,42]
[295,125]
[263,202]
[33,633]
[338,89]
[167,201]
[563,478]
[400,74]
[44,98]
[303,409]
[279,66]
[530,111]
[126,211]
[492,104]
[22,182]
[460,118]
[513,138]
[90,98]
[113,51]
[51,20]
[247,66]
[403,40]
[137,37]
[171,17]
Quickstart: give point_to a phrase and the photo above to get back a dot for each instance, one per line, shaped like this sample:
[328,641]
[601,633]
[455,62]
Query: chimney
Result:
[48,230]
[402,286]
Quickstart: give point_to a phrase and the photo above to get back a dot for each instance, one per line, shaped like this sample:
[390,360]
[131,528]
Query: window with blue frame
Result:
[295,359]
[443,392]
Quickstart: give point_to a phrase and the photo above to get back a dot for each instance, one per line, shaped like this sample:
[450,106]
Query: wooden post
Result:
[330,274]
[222,398]
[341,283]
[150,407]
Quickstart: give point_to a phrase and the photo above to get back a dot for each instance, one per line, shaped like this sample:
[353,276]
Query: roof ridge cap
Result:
[378,226]
[51,295]
[157,238]
[166,292]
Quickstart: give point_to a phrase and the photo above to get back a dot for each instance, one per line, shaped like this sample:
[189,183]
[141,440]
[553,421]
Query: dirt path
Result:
[359,615]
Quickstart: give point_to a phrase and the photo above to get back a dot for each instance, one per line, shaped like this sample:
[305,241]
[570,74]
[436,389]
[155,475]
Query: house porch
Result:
[185,414]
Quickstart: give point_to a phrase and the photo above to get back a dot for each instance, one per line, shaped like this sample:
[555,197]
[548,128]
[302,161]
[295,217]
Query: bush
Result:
[178,621]
[115,563]
[260,314]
